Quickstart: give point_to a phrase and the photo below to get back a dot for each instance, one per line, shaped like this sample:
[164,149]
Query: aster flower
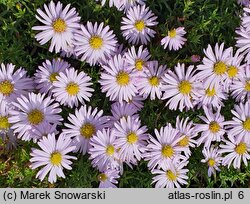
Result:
[210,97]
[245,18]
[103,152]
[164,148]
[116,3]
[83,125]
[150,82]
[43,130]
[137,60]
[214,68]
[127,4]
[234,69]
[186,128]
[171,176]
[236,152]
[212,158]
[243,2]
[180,87]
[239,126]
[13,84]
[213,130]
[240,87]
[174,40]
[136,25]
[131,139]
[53,155]
[242,42]
[118,80]
[47,73]
[4,119]
[32,111]
[72,87]
[137,102]
[94,43]
[108,178]
[122,110]
[59,26]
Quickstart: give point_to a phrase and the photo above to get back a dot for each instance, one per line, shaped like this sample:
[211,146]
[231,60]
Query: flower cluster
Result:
[31,107]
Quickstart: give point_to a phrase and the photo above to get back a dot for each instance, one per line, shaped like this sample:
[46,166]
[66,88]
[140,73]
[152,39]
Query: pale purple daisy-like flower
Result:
[43,130]
[94,43]
[47,73]
[4,118]
[122,110]
[236,152]
[116,3]
[234,68]
[72,87]
[59,26]
[174,39]
[131,139]
[137,102]
[103,152]
[242,42]
[240,87]
[118,80]
[186,128]
[150,82]
[137,59]
[214,68]
[127,4]
[32,111]
[53,155]
[83,125]
[243,2]
[245,18]
[13,84]
[180,87]
[210,97]
[213,129]
[136,25]
[171,176]
[164,148]
[108,178]
[239,127]
[212,159]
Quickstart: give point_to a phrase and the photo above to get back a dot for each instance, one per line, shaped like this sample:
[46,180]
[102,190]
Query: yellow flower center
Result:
[184,141]
[154,81]
[139,25]
[4,123]
[110,150]
[246,124]
[185,87]
[210,92]
[172,33]
[167,151]
[87,130]
[56,158]
[96,42]
[35,117]
[122,78]
[241,148]
[59,25]
[214,127]
[102,177]
[232,71]
[6,87]
[220,68]
[170,175]
[139,63]
[53,76]
[211,162]
[72,89]
[132,138]
[247,86]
